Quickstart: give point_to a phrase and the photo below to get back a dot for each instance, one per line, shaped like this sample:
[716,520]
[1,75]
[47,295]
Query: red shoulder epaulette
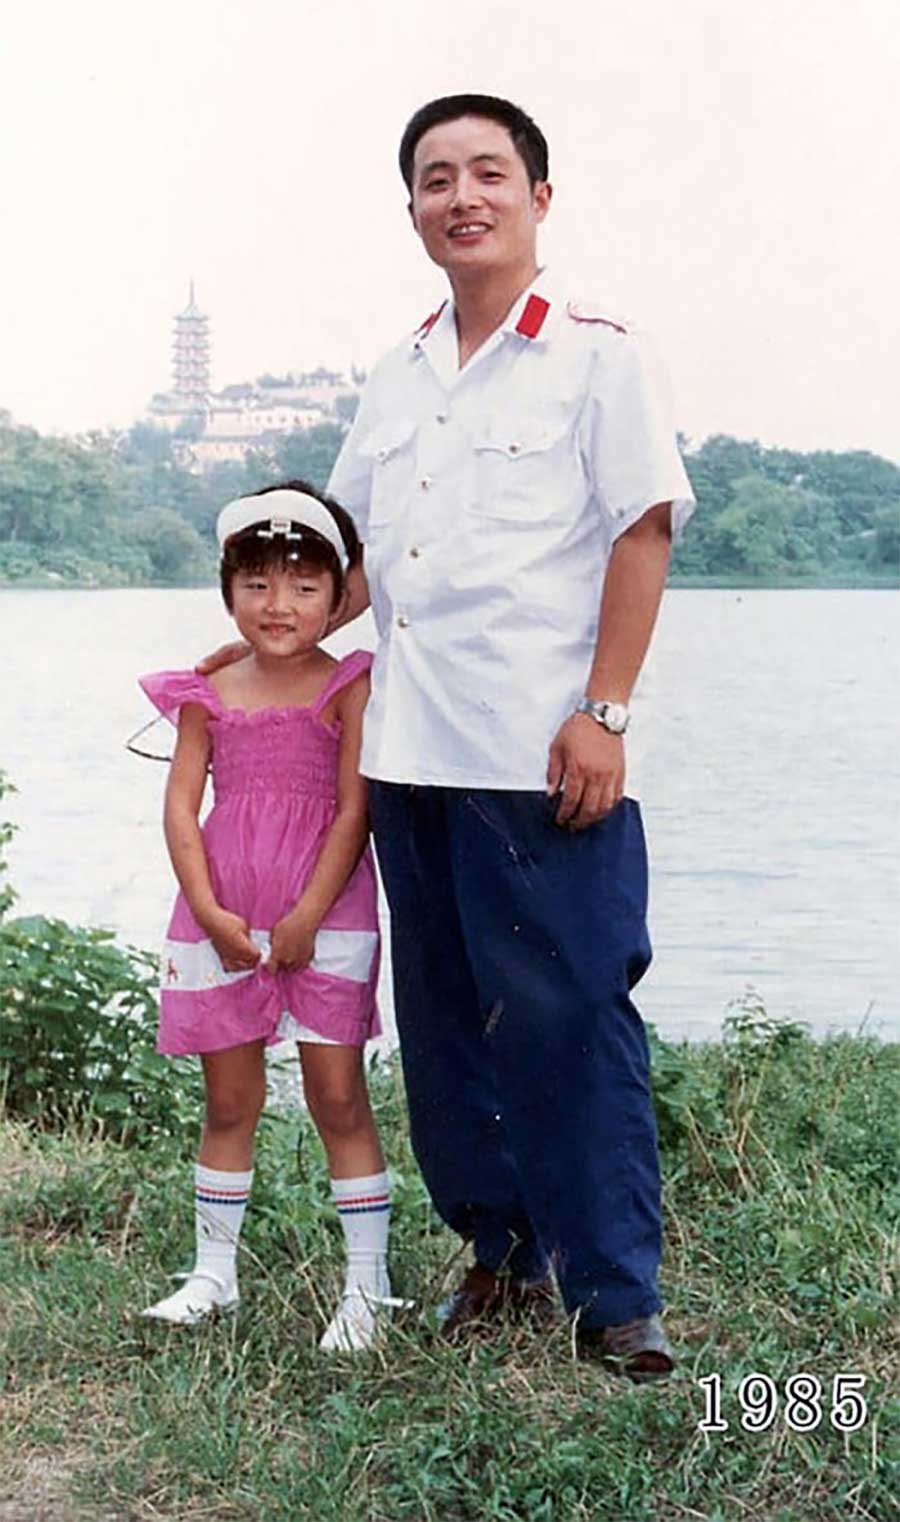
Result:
[429,322]
[532,319]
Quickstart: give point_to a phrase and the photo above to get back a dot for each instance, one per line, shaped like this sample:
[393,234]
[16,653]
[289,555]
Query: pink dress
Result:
[275,780]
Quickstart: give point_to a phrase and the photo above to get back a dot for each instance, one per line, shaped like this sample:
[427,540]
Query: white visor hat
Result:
[275,513]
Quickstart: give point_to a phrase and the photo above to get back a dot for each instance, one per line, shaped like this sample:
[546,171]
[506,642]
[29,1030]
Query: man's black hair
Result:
[529,140]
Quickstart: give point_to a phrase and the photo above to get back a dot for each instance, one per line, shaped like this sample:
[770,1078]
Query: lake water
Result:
[771,797]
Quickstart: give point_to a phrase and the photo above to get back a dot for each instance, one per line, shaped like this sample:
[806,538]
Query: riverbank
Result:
[846,582]
[782,1191]
[51,582]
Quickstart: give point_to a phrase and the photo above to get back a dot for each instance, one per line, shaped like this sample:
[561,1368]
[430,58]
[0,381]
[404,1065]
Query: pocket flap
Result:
[521,436]
[386,438]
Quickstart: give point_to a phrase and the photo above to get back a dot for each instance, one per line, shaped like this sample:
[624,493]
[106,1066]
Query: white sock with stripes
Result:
[220,1202]
[364,1206]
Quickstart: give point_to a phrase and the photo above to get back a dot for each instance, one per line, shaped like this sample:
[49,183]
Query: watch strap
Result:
[603,711]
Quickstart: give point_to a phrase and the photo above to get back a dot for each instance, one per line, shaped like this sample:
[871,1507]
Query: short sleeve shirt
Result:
[489,500]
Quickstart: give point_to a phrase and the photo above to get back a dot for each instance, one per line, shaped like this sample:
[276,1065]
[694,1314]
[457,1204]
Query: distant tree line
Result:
[121,509]
[777,514]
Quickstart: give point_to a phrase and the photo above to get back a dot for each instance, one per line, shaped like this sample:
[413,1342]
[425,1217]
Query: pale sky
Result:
[725,173]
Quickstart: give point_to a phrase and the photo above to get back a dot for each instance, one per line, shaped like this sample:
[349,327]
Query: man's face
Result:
[472,204]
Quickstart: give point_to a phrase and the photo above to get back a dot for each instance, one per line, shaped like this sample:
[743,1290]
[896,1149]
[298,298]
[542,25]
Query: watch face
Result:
[616,718]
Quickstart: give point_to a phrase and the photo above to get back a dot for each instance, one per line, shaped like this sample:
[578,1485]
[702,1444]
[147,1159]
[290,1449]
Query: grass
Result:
[782,1185]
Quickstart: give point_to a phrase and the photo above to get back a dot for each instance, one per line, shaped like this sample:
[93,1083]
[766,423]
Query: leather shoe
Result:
[639,1349]
[484,1296]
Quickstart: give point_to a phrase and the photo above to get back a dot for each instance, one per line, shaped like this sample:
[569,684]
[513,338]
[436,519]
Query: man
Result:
[514,477]
[513,474]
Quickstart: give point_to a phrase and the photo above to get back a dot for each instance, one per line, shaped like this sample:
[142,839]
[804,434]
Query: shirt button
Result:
[514,448]
[403,621]
[441,417]
[415,552]
[425,482]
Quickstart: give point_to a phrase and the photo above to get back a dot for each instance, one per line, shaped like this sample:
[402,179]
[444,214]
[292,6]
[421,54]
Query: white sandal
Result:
[200,1296]
[354,1327]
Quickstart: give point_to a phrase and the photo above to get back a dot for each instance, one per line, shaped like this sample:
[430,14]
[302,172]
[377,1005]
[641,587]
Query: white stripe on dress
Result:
[193,966]
[290,1029]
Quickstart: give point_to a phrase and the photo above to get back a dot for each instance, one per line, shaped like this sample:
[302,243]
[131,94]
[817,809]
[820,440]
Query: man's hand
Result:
[230,934]
[293,944]
[226,655]
[589,764]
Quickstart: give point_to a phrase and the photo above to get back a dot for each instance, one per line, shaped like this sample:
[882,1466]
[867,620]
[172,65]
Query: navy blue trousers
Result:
[515,946]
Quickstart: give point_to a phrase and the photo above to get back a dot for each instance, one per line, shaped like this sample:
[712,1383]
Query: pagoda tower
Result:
[191,356]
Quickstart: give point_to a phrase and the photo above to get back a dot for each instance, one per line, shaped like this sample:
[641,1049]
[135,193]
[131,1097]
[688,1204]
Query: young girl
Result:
[274,934]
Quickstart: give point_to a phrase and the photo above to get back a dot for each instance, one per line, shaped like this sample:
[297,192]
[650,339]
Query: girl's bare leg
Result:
[235,1095]
[335,1087]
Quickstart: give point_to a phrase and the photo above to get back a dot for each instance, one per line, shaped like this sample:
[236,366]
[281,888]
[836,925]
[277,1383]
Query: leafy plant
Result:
[752,1037]
[7,831]
[77,1027]
[77,1035]
[685,1095]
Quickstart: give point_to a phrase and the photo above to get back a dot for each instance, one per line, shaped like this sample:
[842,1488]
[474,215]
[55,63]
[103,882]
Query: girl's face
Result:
[283,611]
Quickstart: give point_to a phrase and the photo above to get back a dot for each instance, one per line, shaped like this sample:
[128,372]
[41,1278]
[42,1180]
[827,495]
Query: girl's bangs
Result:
[254,551]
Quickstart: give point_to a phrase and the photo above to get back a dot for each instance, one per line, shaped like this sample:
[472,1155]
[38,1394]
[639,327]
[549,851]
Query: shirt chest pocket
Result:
[525,469]
[390,448]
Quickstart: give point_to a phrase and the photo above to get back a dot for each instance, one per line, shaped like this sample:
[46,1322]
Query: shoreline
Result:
[675,583]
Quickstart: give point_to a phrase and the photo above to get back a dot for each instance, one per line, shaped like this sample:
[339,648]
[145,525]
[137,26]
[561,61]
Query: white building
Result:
[222,425]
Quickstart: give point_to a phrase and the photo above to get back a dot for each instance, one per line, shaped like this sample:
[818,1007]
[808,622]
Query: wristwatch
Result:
[613,716]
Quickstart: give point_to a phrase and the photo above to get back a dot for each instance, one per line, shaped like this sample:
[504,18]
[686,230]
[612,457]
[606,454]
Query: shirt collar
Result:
[535,314]
[435,327]
[531,318]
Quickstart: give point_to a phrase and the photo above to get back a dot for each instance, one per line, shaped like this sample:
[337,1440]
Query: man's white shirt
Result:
[489,500]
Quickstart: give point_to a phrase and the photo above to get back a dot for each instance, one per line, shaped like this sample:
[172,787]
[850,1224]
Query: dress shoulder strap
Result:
[169,691]
[346,671]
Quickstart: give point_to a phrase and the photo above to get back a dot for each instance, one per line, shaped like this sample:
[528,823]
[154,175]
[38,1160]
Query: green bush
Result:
[77,1028]
[78,1031]
[7,831]
[686,1097]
